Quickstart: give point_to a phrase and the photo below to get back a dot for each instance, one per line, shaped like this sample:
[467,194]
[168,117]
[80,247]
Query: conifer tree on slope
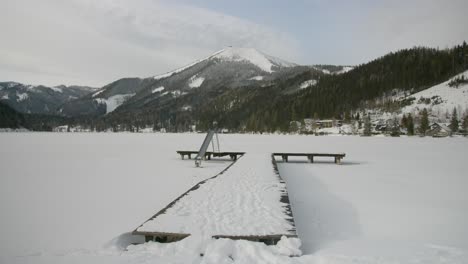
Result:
[465,121]
[424,122]
[454,121]
[404,121]
[410,125]
[367,126]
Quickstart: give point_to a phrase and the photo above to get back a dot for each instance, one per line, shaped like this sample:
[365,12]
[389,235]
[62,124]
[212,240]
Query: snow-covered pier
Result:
[310,156]
[208,154]
[248,200]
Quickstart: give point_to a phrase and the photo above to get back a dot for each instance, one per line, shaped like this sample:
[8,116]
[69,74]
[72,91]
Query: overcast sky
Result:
[94,42]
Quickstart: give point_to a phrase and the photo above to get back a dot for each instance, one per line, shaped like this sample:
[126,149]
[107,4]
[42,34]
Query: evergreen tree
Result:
[395,128]
[316,116]
[410,125]
[424,122]
[293,127]
[367,126]
[347,117]
[454,121]
[404,121]
[465,122]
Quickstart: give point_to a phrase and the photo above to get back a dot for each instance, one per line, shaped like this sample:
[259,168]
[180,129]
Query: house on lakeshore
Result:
[327,123]
[63,128]
[439,130]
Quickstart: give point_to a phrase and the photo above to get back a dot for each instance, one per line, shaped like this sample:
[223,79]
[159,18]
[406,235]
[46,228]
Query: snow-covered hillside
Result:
[382,205]
[114,101]
[440,99]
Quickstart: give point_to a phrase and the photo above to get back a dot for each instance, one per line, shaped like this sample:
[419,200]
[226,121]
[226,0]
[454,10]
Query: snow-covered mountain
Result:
[228,68]
[38,98]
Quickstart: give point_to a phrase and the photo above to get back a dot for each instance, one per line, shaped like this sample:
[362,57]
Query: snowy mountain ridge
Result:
[265,62]
[251,55]
[228,68]
[39,99]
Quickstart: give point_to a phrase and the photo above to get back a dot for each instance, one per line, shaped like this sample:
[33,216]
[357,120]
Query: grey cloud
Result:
[100,41]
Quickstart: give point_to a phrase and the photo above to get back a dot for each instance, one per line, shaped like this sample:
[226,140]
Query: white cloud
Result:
[95,42]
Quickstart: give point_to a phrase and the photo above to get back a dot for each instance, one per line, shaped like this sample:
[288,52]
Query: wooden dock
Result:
[209,154]
[165,236]
[269,239]
[310,156]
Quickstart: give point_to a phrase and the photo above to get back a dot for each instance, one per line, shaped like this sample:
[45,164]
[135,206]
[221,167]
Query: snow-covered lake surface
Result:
[66,198]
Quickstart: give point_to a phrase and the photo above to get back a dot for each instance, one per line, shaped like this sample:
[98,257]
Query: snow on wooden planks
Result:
[248,200]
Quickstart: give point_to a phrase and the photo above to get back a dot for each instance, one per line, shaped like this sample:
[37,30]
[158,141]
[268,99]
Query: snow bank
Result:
[195,81]
[256,78]
[345,69]
[308,83]
[158,89]
[21,96]
[114,101]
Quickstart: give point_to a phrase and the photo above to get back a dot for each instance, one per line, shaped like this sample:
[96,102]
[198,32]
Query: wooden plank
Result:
[309,154]
[267,239]
[162,211]
[233,155]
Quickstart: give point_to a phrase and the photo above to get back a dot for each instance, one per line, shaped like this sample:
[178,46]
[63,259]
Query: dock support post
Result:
[285,158]
[311,159]
[338,160]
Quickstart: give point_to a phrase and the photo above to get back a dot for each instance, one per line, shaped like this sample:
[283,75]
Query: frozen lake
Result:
[65,196]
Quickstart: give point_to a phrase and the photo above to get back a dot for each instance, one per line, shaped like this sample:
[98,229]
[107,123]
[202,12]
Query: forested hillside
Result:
[408,70]
[9,118]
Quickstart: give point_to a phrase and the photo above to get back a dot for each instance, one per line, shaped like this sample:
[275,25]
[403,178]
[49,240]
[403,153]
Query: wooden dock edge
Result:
[172,237]
[284,196]
[271,239]
[266,239]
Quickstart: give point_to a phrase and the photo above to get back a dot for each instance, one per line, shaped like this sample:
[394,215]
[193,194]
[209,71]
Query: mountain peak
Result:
[236,54]
[263,61]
